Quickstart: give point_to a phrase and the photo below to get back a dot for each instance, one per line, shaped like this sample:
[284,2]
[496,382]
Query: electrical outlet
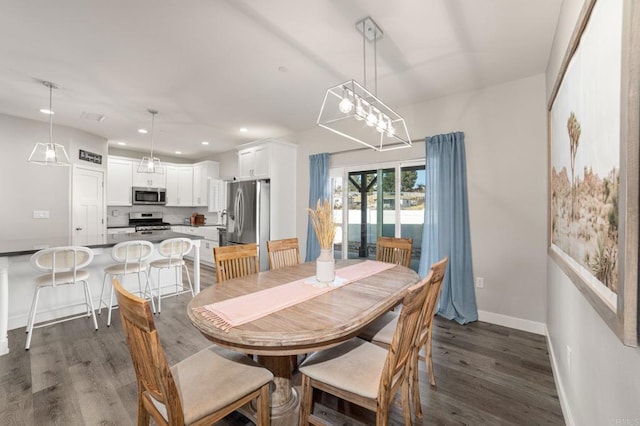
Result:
[569,358]
[479,282]
[115,213]
[41,214]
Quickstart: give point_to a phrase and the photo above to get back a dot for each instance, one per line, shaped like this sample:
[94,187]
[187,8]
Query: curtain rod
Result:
[366,149]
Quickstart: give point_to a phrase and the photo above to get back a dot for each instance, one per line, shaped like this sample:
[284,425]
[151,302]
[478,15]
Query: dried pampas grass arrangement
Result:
[323,224]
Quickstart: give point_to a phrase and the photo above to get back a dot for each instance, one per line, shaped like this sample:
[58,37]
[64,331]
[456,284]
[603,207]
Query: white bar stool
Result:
[173,251]
[63,267]
[132,258]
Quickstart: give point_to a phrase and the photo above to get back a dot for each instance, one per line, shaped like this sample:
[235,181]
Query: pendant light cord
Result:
[153,119]
[364,57]
[50,112]
[375,64]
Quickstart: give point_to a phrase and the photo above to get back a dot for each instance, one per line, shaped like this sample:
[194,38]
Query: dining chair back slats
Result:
[332,370]
[160,396]
[283,253]
[235,261]
[404,337]
[394,250]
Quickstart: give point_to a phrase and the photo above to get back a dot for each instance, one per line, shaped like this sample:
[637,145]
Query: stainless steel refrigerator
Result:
[248,215]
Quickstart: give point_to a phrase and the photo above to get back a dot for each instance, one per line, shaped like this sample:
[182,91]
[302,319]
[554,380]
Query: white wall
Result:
[602,387]
[505,138]
[25,187]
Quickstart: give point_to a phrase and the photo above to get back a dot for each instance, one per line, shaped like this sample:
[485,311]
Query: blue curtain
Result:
[446,225]
[318,190]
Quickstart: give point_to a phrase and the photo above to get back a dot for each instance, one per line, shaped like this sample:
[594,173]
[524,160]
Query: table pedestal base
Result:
[285,402]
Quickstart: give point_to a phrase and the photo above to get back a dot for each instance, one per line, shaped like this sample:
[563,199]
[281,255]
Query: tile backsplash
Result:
[119,215]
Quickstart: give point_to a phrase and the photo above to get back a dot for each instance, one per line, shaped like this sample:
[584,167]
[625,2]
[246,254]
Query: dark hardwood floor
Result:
[73,375]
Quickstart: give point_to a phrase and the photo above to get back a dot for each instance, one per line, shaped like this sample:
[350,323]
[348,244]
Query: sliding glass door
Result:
[385,201]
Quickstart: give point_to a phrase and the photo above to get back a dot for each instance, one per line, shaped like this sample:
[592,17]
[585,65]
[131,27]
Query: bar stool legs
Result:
[143,294]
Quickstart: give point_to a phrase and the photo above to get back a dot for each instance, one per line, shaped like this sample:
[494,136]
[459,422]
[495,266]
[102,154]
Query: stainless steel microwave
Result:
[149,196]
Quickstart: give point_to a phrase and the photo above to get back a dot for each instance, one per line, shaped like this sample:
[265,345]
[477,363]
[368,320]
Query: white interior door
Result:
[88,204]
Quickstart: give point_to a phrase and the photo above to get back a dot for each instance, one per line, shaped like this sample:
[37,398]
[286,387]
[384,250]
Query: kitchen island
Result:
[16,276]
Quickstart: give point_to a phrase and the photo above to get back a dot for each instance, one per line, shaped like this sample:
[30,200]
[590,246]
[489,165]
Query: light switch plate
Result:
[41,214]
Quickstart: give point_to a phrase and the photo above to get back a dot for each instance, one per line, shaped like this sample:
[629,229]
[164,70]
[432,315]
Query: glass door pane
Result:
[412,202]
[338,195]
[363,214]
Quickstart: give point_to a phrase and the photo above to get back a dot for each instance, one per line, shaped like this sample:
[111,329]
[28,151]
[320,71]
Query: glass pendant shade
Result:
[151,164]
[393,134]
[49,153]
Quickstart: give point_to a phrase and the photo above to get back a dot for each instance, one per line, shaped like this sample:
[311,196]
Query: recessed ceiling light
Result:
[47,111]
[122,143]
[244,129]
[205,142]
[178,152]
[143,131]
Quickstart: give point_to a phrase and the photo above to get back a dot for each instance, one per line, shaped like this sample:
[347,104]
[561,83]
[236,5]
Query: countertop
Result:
[222,226]
[32,245]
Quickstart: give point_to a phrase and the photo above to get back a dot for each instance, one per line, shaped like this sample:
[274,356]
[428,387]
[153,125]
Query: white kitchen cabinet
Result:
[253,162]
[119,183]
[206,251]
[217,195]
[202,173]
[179,185]
[149,180]
[200,184]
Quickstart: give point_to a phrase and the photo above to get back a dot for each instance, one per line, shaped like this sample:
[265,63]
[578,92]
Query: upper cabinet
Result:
[119,183]
[188,185]
[149,180]
[217,195]
[253,162]
[179,185]
[202,174]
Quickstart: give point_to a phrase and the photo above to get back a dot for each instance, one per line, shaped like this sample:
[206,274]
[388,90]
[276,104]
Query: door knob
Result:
[78,229]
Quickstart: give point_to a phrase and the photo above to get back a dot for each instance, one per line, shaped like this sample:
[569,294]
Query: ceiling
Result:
[211,67]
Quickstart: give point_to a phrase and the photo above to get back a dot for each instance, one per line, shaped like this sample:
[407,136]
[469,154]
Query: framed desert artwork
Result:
[593,162]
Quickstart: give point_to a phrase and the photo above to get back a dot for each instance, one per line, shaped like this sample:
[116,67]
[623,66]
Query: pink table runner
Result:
[249,307]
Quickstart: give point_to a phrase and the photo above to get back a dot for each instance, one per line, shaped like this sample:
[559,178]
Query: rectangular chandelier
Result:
[352,111]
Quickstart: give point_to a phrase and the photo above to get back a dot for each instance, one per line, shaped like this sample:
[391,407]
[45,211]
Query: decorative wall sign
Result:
[91,157]
[593,137]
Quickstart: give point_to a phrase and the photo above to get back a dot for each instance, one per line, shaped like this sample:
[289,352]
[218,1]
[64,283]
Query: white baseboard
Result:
[562,396]
[513,322]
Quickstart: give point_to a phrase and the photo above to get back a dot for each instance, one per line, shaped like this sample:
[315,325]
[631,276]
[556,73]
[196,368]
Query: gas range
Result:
[148,221]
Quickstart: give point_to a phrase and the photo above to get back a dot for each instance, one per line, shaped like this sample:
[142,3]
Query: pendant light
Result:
[371,123]
[50,153]
[151,164]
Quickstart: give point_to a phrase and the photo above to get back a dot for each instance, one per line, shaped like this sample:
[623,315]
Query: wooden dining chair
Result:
[201,389]
[283,253]
[394,250]
[363,373]
[381,331]
[235,261]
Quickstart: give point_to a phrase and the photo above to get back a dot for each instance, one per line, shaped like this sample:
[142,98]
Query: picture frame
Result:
[593,156]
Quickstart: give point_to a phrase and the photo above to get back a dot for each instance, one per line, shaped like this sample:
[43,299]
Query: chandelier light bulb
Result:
[51,153]
[371,118]
[345,105]
[150,163]
[382,124]
[360,114]
[391,131]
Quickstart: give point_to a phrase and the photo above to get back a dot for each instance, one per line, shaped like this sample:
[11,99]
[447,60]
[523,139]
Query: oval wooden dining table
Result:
[318,323]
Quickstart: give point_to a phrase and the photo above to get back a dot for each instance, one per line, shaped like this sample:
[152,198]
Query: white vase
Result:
[325,266]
